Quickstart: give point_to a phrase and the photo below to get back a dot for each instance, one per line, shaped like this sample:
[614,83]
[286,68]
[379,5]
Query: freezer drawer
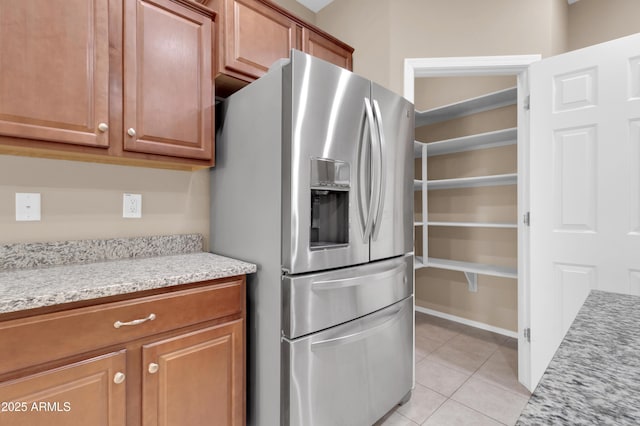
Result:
[351,374]
[313,302]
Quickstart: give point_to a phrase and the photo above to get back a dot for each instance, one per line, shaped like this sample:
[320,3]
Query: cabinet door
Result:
[321,47]
[195,378]
[83,393]
[54,70]
[255,37]
[168,97]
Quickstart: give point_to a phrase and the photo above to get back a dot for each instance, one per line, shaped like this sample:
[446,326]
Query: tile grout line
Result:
[469,378]
[472,375]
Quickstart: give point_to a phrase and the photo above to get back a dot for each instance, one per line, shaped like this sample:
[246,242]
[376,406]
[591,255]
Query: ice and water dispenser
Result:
[329,203]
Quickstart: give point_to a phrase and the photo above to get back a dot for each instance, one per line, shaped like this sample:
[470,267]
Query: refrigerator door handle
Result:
[374,200]
[358,280]
[388,318]
[382,171]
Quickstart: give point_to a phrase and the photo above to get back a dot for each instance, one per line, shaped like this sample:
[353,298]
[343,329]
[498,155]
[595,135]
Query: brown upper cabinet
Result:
[132,81]
[54,71]
[127,82]
[253,34]
[255,37]
[168,93]
[318,45]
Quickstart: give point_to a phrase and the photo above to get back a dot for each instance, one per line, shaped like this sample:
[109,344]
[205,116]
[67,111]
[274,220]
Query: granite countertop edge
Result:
[27,289]
[594,376]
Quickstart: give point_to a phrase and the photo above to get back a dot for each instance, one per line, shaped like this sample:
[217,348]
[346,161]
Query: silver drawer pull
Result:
[119,324]
[338,283]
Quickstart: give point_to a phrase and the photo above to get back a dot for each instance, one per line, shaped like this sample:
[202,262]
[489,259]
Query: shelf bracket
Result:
[472,280]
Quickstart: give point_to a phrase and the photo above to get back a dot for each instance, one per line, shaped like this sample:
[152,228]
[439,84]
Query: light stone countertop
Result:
[594,376]
[34,288]
[35,275]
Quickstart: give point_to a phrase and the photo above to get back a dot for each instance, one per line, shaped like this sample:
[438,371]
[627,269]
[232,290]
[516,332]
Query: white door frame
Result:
[492,66]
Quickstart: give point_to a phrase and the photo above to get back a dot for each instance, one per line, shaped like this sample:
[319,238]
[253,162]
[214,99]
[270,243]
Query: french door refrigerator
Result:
[314,183]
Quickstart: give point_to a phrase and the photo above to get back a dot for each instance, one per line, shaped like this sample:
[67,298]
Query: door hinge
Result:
[527,334]
[527,218]
[527,102]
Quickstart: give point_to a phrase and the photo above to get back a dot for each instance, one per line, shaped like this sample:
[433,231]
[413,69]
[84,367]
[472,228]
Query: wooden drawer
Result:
[31,341]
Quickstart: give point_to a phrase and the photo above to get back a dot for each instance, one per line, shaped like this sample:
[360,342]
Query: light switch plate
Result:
[27,206]
[132,206]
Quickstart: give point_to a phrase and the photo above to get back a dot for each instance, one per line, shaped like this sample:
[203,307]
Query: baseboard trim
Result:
[468,322]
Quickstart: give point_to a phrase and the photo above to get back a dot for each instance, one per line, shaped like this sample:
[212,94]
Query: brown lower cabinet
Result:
[193,378]
[79,393]
[192,374]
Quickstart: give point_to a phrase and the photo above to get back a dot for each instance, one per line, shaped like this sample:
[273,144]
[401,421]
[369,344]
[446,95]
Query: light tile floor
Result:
[464,376]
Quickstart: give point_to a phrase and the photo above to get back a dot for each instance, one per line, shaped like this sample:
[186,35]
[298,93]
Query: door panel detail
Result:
[574,282]
[359,388]
[634,78]
[596,135]
[575,90]
[317,301]
[575,179]
[634,169]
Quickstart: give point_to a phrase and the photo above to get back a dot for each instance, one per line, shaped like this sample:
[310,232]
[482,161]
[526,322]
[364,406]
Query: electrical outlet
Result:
[27,206]
[132,206]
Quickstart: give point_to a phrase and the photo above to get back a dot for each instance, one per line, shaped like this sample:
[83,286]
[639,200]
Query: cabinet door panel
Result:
[54,70]
[199,378]
[321,47]
[83,393]
[255,37]
[168,80]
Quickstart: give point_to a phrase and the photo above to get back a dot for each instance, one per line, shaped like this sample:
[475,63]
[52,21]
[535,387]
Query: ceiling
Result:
[314,5]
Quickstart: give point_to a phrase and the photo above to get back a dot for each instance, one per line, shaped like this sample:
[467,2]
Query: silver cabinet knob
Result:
[131,131]
[103,127]
[118,378]
[153,368]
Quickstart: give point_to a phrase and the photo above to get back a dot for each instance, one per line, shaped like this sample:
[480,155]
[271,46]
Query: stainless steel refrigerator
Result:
[314,183]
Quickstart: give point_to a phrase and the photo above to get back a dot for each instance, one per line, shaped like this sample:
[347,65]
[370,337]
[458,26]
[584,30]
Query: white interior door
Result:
[585,186]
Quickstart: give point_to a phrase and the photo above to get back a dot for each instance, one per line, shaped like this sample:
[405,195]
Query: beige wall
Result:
[386,32]
[597,21]
[297,9]
[365,25]
[84,200]
[559,27]
[435,28]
